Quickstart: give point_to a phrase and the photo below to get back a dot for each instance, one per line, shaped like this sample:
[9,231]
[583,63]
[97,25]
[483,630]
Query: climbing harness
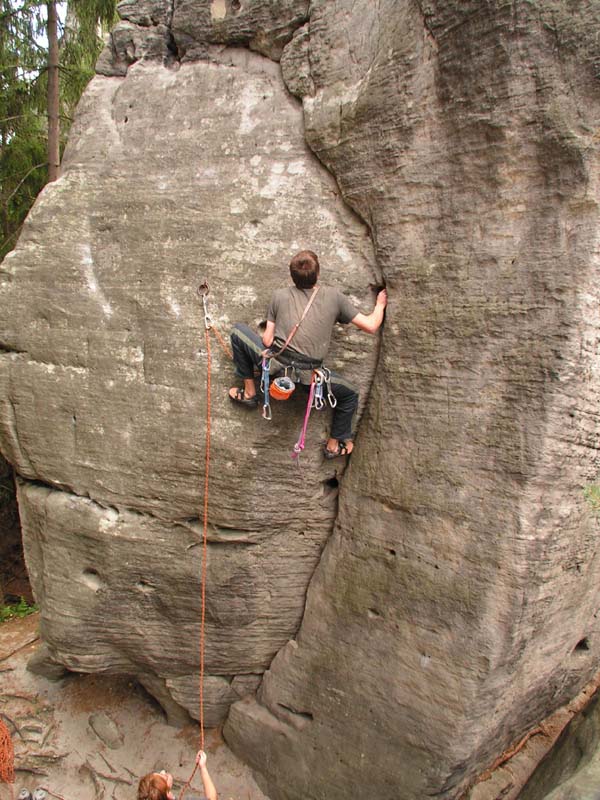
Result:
[280,390]
[282,387]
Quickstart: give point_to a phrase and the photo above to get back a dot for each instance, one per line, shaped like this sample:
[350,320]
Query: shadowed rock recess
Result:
[456,593]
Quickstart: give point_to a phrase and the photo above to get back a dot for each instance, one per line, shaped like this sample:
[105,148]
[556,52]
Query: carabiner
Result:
[264,386]
[319,403]
[298,448]
[264,375]
[202,292]
[331,398]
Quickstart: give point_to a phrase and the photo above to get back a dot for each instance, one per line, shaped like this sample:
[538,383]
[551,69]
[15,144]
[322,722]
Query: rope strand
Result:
[7,755]
[7,772]
[221,341]
[204,550]
[205,534]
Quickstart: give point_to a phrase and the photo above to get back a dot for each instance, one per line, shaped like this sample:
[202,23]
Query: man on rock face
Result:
[300,321]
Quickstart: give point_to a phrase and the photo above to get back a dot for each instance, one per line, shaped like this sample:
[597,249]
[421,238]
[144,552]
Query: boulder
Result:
[415,632]
[571,771]
[456,603]
[171,178]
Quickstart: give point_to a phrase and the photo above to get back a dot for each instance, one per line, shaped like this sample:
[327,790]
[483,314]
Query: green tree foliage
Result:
[22,121]
[23,94]
[81,46]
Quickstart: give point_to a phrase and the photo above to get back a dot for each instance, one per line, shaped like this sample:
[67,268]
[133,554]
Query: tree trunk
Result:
[53,105]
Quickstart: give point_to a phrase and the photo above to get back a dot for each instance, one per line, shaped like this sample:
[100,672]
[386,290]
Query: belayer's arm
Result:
[209,787]
[370,322]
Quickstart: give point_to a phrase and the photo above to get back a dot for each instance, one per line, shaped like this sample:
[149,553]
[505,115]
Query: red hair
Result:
[153,787]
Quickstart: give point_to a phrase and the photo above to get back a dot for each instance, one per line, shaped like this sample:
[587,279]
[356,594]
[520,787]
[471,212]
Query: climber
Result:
[158,785]
[306,313]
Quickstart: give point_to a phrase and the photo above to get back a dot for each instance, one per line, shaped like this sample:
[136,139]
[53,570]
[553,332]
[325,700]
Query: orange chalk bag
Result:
[282,388]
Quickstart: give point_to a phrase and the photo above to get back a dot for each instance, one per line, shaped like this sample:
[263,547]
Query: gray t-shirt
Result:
[314,334]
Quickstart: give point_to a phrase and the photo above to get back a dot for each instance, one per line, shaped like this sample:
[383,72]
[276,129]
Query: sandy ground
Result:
[56,746]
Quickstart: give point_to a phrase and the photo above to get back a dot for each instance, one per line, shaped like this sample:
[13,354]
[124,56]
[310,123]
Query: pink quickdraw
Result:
[299,446]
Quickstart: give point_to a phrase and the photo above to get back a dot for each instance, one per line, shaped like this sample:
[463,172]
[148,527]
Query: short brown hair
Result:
[153,787]
[304,269]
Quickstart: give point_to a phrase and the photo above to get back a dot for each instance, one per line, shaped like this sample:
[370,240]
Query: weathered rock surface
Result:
[106,729]
[572,770]
[171,177]
[456,603]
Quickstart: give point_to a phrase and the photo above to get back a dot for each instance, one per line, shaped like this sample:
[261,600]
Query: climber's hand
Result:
[382,298]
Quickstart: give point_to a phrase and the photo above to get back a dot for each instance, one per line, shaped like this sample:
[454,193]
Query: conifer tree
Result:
[44,67]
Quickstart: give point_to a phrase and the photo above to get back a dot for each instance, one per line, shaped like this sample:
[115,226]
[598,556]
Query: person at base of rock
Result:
[158,785]
[309,345]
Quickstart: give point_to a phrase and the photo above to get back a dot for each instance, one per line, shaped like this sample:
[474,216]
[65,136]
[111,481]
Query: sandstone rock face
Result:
[456,603]
[458,598]
[172,176]
[572,770]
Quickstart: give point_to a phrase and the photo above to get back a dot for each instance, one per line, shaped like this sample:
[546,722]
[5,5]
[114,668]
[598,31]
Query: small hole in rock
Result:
[330,486]
[236,5]
[582,645]
[144,587]
[126,119]
[391,551]
[91,578]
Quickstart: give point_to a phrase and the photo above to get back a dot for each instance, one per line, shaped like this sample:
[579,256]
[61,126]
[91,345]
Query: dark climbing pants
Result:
[247,347]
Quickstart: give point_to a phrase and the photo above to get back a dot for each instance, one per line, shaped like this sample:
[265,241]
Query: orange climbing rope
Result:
[221,341]
[7,772]
[204,535]
[208,326]
[7,756]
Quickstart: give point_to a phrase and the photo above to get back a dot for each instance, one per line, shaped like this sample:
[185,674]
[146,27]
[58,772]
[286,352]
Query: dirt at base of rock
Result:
[88,737]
